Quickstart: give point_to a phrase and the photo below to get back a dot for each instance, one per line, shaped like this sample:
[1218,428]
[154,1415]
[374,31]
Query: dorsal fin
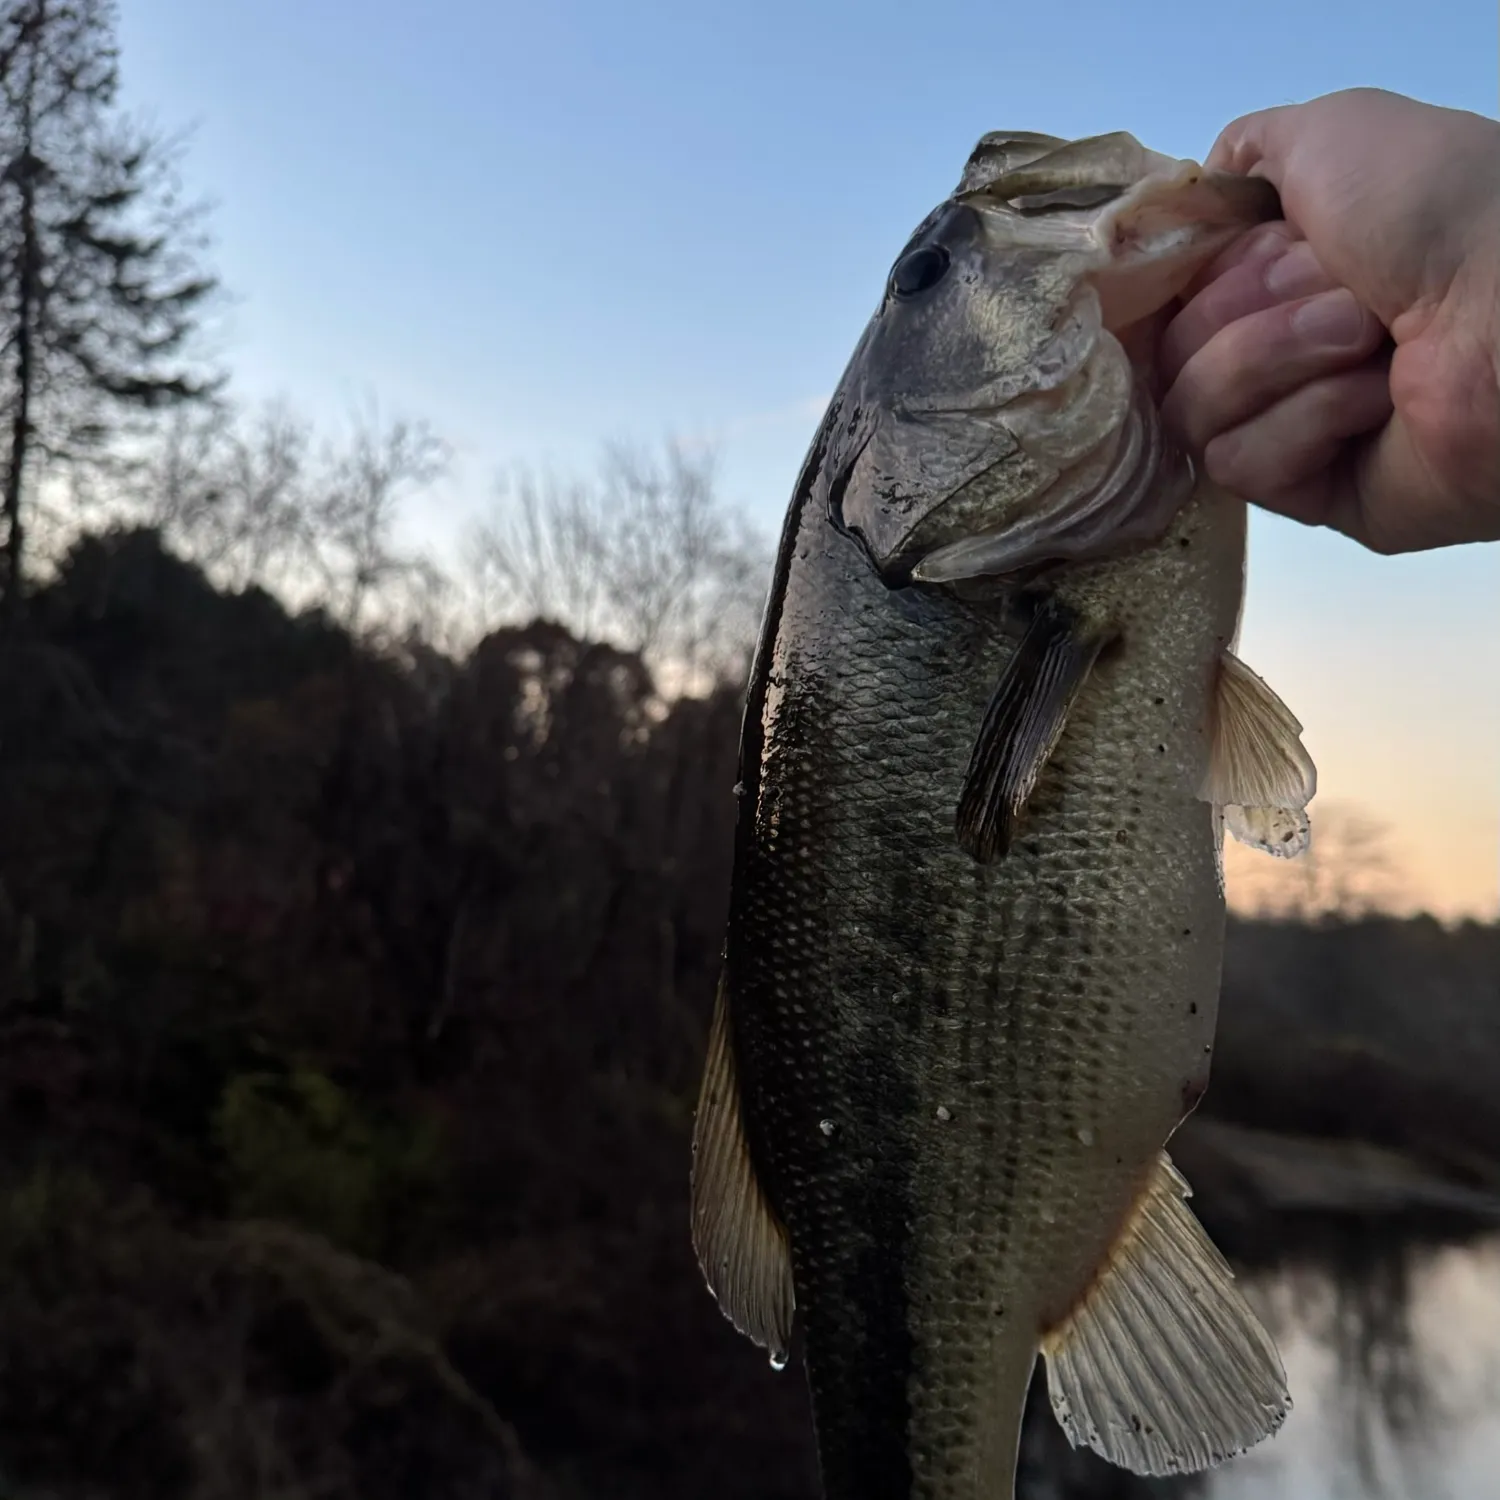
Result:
[742,1246]
[1162,1367]
[1021,728]
[1259,771]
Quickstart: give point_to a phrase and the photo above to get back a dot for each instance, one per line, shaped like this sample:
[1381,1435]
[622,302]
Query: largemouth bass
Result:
[994,732]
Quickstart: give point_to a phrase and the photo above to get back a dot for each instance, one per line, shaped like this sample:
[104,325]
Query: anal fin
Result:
[1021,728]
[1163,1368]
[741,1245]
[1259,771]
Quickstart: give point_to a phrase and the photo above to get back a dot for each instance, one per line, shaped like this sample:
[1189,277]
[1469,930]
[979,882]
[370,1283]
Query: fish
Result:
[994,735]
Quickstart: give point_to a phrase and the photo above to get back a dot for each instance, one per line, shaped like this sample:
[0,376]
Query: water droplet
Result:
[827,1126]
[739,789]
[778,1360]
[944,1113]
[1086,1136]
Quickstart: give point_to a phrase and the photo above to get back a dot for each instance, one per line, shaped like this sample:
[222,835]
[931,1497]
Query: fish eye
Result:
[919,271]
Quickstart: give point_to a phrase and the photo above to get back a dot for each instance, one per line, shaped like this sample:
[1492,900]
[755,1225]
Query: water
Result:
[1453,1449]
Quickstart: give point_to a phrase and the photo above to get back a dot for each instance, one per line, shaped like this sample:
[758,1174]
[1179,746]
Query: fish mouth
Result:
[1120,480]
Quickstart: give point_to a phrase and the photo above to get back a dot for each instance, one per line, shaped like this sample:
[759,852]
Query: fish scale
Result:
[863,929]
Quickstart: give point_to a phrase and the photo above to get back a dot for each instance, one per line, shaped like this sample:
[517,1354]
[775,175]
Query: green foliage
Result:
[298,1148]
[44,1208]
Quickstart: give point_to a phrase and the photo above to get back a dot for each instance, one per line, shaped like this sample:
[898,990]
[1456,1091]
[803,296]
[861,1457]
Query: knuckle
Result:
[1452,407]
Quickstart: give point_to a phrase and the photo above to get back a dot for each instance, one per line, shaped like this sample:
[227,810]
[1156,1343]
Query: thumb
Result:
[1255,143]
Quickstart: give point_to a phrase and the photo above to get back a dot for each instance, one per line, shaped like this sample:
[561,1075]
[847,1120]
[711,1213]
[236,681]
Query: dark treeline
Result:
[351,1010]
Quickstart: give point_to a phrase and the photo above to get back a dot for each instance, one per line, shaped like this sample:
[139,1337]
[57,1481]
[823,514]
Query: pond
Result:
[1436,1433]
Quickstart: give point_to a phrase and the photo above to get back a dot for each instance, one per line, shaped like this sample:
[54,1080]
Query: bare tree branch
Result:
[244,497]
[646,556]
[357,503]
[1349,871]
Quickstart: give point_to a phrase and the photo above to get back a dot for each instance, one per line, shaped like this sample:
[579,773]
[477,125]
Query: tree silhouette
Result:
[355,508]
[254,500]
[646,556]
[1349,871]
[352,1012]
[99,289]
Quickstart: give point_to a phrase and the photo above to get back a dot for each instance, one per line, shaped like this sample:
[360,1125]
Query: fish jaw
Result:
[1122,492]
[1157,223]
[1020,425]
[1168,228]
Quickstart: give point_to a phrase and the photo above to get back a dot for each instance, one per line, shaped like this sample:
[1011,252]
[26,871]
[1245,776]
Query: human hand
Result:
[1343,367]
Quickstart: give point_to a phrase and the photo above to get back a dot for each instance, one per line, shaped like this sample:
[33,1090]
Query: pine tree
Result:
[100,293]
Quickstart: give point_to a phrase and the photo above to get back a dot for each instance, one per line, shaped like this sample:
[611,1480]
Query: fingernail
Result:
[1296,273]
[1221,459]
[1332,320]
[1269,241]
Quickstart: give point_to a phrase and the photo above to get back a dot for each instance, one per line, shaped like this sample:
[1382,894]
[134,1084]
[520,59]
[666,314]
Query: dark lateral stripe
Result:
[861,1354]
[850,1241]
[860,1317]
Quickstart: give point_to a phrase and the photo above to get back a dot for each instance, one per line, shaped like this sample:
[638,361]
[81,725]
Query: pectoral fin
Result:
[1163,1368]
[741,1245]
[1021,728]
[1259,771]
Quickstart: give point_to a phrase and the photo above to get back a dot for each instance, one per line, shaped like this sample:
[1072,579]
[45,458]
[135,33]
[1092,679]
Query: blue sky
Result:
[547,226]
